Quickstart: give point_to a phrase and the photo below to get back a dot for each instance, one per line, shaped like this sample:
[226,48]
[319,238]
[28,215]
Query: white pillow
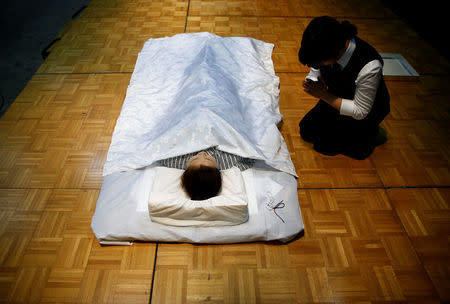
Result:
[169,204]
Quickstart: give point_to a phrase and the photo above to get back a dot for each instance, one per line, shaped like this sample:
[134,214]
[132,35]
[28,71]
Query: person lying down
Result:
[202,179]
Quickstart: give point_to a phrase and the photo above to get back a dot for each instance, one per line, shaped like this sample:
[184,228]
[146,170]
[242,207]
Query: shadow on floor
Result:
[27,28]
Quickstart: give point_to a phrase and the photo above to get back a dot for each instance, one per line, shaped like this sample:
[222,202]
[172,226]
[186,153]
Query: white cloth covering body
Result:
[193,91]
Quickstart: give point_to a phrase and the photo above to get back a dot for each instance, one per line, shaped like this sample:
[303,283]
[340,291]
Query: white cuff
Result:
[346,107]
[313,75]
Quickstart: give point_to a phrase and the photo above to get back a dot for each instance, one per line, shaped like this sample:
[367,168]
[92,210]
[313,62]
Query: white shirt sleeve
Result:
[313,75]
[366,89]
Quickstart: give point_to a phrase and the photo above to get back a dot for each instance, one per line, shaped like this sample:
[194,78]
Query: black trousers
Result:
[332,133]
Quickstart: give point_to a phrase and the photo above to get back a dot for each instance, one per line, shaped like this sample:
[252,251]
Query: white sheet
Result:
[193,91]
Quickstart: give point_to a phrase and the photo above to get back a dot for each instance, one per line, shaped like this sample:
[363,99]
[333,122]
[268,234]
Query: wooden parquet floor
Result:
[376,231]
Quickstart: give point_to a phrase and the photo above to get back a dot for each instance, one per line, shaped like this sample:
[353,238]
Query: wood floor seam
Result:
[153,274]
[187,16]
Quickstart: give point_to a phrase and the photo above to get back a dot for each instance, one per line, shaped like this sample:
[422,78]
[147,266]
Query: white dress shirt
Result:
[366,85]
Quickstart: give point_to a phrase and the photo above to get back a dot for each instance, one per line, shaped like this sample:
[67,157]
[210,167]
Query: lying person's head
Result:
[202,178]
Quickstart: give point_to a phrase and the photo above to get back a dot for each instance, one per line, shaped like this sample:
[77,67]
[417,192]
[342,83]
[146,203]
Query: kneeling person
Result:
[346,75]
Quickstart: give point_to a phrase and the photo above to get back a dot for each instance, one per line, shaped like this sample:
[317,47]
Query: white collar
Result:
[345,58]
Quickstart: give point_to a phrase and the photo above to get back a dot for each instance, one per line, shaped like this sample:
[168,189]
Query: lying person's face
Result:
[202,159]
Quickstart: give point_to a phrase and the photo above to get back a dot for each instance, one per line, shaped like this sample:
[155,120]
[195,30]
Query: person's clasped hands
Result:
[316,89]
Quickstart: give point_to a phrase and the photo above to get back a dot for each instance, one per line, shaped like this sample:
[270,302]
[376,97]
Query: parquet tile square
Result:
[79,225]
[307,253]
[370,252]
[4,216]
[383,283]
[74,253]
[62,286]
[52,224]
[338,252]
[41,252]
[12,250]
[10,199]
[28,285]
[133,287]
[241,285]
[7,276]
[347,285]
[98,286]
[170,284]
[105,257]
[276,285]
[400,250]
[319,288]
[22,223]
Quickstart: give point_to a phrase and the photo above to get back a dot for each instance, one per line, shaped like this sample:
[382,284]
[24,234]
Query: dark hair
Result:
[323,38]
[201,182]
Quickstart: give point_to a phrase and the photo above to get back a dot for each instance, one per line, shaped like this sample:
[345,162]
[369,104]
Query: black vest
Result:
[342,83]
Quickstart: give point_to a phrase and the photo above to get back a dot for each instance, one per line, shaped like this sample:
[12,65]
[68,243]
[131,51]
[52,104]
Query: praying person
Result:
[346,76]
[202,178]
